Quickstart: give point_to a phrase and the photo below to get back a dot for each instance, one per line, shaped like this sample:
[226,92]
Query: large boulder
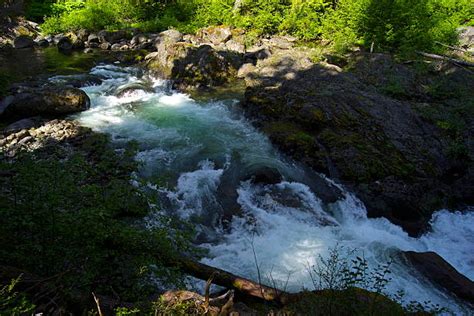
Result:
[45,101]
[380,147]
[441,273]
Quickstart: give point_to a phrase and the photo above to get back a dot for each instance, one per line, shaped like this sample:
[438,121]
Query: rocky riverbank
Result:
[397,134]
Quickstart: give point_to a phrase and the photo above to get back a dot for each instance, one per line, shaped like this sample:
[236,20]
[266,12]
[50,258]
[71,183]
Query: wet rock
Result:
[93,39]
[138,39]
[46,101]
[441,273]
[65,44]
[115,47]
[131,87]
[23,42]
[263,175]
[42,43]
[88,50]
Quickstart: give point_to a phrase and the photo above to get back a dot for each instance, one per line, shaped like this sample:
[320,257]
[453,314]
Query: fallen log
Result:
[231,281]
[446,58]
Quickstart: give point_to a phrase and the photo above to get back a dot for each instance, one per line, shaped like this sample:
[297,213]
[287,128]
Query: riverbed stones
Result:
[39,134]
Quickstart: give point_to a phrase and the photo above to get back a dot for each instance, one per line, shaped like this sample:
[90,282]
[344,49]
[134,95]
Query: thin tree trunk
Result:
[446,58]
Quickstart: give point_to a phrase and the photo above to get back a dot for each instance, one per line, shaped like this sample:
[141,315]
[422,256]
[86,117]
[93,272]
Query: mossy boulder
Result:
[192,67]
[341,124]
[52,101]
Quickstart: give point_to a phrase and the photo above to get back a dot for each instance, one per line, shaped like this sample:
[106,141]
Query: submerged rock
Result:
[65,44]
[131,87]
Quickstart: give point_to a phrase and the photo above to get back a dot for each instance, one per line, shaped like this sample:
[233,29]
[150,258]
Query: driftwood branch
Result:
[446,58]
[231,281]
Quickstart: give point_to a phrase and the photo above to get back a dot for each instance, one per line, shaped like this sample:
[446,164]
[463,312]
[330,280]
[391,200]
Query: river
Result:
[186,148]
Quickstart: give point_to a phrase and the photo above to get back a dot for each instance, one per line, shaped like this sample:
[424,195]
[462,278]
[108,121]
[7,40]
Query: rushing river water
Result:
[186,147]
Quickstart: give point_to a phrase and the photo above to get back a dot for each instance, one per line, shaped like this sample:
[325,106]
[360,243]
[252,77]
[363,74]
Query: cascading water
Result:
[188,148]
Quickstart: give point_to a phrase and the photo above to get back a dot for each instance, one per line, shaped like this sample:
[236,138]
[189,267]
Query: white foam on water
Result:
[452,237]
[195,187]
[287,243]
[176,99]
[286,225]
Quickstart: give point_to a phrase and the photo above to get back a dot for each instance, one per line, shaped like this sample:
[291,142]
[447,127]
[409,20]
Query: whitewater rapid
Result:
[185,147]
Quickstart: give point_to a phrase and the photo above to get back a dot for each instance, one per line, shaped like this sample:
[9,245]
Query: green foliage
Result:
[36,10]
[394,25]
[4,83]
[341,271]
[348,285]
[78,215]
[179,308]
[12,302]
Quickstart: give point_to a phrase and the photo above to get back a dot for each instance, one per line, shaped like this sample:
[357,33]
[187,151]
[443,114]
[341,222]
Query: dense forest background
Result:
[389,25]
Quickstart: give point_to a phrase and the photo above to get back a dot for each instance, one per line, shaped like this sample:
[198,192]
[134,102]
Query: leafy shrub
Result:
[396,25]
[79,216]
[12,302]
